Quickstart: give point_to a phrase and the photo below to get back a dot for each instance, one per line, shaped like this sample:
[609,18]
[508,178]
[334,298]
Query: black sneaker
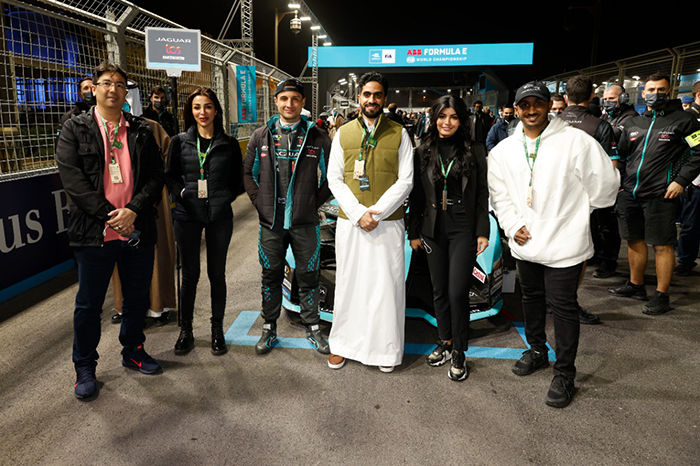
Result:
[85,384]
[530,362]
[440,355]
[561,390]
[630,290]
[269,335]
[657,305]
[139,360]
[458,367]
[586,317]
[313,334]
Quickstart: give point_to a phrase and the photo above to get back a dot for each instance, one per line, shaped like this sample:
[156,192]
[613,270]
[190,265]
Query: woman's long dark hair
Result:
[464,160]
[211,95]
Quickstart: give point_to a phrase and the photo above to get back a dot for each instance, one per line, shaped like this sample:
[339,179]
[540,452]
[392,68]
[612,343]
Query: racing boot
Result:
[218,342]
[185,342]
[269,335]
[313,334]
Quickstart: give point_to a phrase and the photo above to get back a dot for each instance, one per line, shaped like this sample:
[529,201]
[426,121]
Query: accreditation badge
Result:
[359,169]
[364,183]
[115,173]
[202,191]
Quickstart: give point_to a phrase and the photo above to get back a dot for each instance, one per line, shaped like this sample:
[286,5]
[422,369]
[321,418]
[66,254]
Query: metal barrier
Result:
[681,63]
[47,46]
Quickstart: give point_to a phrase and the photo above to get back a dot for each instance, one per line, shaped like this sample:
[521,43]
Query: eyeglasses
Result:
[535,104]
[106,85]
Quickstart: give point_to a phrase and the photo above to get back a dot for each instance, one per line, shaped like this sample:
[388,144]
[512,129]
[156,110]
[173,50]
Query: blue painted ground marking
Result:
[237,334]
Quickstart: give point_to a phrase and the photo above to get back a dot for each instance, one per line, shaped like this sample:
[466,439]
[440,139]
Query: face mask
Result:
[610,106]
[509,118]
[88,98]
[159,105]
[552,115]
[656,100]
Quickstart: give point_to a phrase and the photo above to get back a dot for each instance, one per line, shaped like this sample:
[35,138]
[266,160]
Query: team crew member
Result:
[110,167]
[204,176]
[616,109]
[652,145]
[370,174]
[158,111]
[544,180]
[285,177]
[606,238]
[449,212]
[689,236]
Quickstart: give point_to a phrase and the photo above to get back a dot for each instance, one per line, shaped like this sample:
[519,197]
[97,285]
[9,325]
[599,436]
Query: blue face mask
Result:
[158,105]
[126,107]
[657,100]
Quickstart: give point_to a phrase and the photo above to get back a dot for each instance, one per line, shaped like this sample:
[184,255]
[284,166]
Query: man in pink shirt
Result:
[110,167]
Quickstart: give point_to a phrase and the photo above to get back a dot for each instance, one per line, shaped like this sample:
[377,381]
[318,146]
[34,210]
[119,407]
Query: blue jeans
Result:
[689,237]
[95,267]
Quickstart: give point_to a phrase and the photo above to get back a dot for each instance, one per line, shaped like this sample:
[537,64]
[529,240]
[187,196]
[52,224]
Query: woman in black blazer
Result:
[448,218]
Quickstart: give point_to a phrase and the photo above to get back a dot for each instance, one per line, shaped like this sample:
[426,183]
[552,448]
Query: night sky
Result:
[563,37]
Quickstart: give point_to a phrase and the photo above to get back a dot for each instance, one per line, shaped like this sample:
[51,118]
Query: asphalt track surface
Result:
[636,400]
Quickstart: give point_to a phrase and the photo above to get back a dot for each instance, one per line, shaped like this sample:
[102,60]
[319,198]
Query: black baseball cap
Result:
[532,89]
[290,85]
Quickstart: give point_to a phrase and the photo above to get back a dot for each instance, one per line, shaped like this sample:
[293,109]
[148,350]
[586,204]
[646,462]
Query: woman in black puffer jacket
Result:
[204,175]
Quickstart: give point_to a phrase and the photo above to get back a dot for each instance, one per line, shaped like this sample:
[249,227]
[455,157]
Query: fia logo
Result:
[389,56]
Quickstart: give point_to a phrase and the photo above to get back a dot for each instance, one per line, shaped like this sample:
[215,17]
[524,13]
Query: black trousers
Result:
[451,257]
[606,237]
[306,247]
[217,236]
[542,285]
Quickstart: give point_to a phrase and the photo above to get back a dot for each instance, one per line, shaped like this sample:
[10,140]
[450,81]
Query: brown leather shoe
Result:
[335,361]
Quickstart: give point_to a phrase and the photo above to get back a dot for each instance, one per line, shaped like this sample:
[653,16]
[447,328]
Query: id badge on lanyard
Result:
[115,173]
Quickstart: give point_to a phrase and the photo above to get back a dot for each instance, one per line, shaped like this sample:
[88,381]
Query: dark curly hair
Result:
[464,160]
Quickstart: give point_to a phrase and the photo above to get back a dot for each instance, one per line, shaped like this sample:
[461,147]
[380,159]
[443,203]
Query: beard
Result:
[370,113]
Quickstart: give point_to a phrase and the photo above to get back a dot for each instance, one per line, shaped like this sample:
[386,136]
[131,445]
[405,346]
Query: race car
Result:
[486,287]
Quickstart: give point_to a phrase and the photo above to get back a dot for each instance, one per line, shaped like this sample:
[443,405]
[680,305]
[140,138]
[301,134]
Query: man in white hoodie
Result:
[544,181]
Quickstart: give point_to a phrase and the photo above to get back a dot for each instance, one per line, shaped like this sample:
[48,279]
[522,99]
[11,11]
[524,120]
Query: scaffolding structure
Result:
[47,46]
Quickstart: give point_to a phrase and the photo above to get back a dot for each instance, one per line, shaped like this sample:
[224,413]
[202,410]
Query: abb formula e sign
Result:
[414,56]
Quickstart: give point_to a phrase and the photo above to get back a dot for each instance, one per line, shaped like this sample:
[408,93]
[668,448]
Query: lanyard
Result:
[203,156]
[367,140]
[533,156]
[445,172]
[115,143]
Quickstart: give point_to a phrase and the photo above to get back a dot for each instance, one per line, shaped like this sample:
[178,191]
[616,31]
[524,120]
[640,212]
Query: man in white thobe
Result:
[370,174]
